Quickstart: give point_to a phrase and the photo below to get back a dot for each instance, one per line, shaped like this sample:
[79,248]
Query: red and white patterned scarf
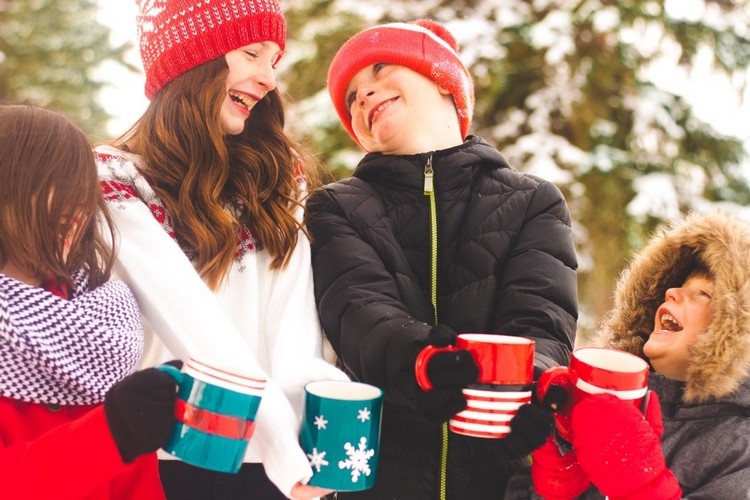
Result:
[66,352]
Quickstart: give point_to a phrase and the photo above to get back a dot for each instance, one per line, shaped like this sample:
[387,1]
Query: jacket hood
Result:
[720,358]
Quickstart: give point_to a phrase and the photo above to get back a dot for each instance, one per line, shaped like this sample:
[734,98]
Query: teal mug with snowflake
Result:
[341,434]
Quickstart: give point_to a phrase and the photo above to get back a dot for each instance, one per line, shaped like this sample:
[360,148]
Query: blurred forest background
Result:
[571,90]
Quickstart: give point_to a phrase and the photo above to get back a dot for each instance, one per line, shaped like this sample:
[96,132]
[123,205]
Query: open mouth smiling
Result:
[669,323]
[379,109]
[244,100]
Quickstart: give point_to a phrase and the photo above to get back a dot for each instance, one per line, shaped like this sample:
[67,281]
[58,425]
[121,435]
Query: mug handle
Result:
[173,372]
[424,357]
[561,376]
[566,378]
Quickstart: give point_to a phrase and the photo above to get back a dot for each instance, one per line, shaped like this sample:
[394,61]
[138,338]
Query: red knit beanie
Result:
[178,35]
[423,46]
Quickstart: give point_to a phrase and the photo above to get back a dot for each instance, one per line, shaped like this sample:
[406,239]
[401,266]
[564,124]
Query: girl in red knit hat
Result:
[207,192]
[433,235]
[74,421]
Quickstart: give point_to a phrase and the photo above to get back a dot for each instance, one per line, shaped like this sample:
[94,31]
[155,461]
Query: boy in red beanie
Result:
[433,235]
[684,305]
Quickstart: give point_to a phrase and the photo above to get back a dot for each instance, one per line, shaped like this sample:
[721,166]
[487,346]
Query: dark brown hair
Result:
[48,184]
[198,171]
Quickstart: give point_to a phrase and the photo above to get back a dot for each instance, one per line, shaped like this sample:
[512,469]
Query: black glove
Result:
[532,425]
[177,363]
[441,336]
[555,398]
[449,372]
[140,412]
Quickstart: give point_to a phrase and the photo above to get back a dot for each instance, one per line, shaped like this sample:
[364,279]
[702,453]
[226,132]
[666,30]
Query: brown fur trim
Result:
[720,357]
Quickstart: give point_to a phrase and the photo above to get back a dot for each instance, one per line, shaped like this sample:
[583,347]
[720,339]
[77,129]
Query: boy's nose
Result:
[362,94]
[672,294]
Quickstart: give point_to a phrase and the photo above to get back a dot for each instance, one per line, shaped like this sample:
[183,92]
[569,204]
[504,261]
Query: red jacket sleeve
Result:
[74,460]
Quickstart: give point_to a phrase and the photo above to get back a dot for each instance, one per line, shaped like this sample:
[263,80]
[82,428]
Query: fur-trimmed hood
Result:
[720,357]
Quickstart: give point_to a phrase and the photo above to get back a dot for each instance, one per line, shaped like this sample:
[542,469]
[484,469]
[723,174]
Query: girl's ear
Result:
[443,90]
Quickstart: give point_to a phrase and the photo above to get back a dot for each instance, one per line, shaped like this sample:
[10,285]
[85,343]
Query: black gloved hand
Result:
[529,429]
[449,372]
[139,411]
[555,398]
[441,336]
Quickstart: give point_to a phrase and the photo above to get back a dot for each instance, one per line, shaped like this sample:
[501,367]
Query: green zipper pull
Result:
[428,173]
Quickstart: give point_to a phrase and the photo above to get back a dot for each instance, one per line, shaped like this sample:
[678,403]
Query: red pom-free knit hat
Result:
[423,46]
[178,35]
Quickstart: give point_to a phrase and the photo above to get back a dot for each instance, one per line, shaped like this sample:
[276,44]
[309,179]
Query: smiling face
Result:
[251,76]
[684,316]
[396,110]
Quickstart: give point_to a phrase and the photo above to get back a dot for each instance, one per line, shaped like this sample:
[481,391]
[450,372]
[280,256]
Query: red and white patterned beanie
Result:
[178,35]
[424,46]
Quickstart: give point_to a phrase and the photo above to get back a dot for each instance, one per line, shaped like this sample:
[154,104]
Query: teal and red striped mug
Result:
[215,412]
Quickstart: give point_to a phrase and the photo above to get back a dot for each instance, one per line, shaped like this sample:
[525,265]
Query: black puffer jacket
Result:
[505,264]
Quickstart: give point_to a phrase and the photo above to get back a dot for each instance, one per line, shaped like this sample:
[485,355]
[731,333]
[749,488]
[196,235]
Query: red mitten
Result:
[556,476]
[652,411]
[619,449]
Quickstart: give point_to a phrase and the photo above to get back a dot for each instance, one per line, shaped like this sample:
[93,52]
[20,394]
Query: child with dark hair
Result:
[71,410]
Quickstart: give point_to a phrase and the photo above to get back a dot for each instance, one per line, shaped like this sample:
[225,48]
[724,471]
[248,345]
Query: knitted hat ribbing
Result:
[178,35]
[423,46]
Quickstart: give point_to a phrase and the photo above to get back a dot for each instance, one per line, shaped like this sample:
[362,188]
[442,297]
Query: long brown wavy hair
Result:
[198,171]
[50,198]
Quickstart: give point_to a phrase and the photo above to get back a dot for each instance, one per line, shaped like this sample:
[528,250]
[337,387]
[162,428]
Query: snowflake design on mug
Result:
[317,459]
[320,422]
[364,415]
[359,459]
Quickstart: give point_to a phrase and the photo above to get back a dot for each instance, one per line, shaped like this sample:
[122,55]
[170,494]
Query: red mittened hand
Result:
[620,450]
[556,476]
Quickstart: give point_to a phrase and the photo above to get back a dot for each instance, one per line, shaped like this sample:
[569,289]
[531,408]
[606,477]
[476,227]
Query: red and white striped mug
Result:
[595,370]
[506,375]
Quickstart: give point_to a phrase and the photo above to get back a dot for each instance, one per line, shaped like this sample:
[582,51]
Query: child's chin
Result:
[652,345]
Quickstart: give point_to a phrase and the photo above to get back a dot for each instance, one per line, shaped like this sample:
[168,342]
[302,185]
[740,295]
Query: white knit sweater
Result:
[259,320]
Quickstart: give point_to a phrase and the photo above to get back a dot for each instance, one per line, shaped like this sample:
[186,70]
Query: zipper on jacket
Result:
[429,191]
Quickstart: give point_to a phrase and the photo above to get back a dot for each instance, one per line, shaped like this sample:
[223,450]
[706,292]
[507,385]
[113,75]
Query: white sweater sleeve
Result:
[296,340]
[188,319]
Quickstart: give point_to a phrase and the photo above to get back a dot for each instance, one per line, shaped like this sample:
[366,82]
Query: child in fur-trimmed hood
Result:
[683,304]
[720,358]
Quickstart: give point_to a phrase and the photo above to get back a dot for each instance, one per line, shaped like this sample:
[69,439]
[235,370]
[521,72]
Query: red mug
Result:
[506,374]
[502,359]
[595,370]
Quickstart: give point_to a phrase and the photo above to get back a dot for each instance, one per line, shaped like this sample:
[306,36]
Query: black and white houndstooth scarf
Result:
[66,352]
